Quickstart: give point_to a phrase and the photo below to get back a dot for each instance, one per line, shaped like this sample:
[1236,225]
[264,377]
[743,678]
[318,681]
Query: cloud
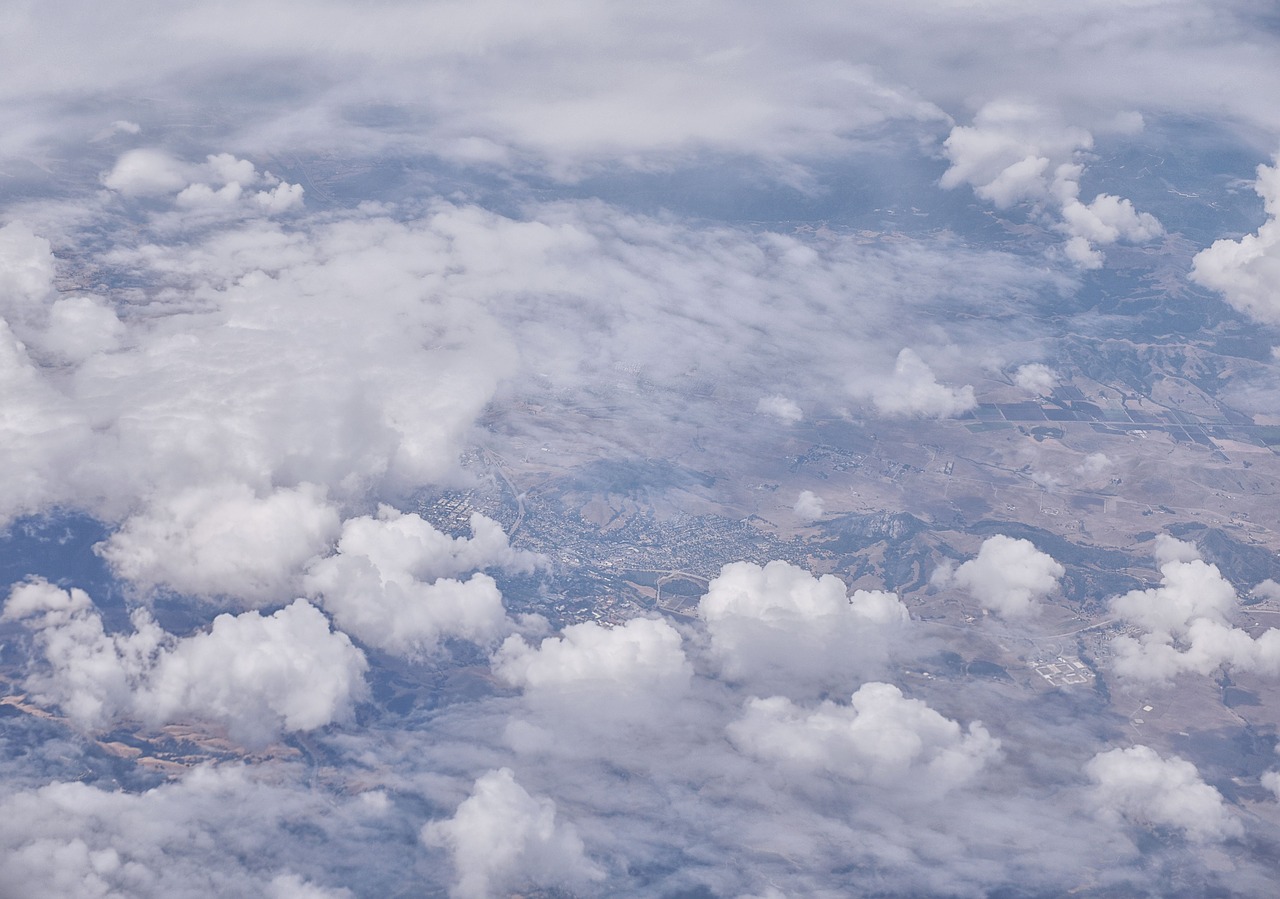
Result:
[392,582]
[147,172]
[501,839]
[243,397]
[881,737]
[913,391]
[222,365]
[1150,791]
[1036,378]
[243,363]
[1009,576]
[778,628]
[1270,780]
[222,831]
[1247,271]
[1015,153]
[292,886]
[1093,465]
[642,657]
[809,506]
[26,270]
[1187,622]
[44,434]
[780,407]
[1267,589]
[224,541]
[80,327]
[257,675]
[57,329]
[219,184]
[596,686]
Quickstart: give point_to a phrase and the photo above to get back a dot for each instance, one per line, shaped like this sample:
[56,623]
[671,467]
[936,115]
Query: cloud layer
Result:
[257,675]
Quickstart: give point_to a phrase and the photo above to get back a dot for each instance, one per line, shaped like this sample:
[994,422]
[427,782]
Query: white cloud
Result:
[230,170]
[1271,780]
[220,831]
[642,655]
[197,195]
[280,198]
[257,675]
[1009,575]
[780,407]
[809,506]
[913,391]
[231,360]
[393,582]
[1016,153]
[502,839]
[780,628]
[216,186]
[1093,465]
[1147,790]
[1247,271]
[222,540]
[147,172]
[881,737]
[1267,589]
[1036,378]
[44,435]
[26,270]
[80,327]
[601,677]
[1187,622]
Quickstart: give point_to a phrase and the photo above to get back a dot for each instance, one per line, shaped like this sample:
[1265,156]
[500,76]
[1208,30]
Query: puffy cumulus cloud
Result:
[80,327]
[1247,271]
[1015,153]
[93,676]
[809,506]
[42,434]
[780,628]
[912,390]
[502,839]
[261,674]
[1145,789]
[1267,589]
[881,737]
[280,198]
[224,541]
[1036,378]
[393,581]
[257,675]
[1011,153]
[1187,622]
[55,329]
[217,184]
[1270,780]
[642,654]
[1009,575]
[214,832]
[780,407]
[26,270]
[145,172]
[634,672]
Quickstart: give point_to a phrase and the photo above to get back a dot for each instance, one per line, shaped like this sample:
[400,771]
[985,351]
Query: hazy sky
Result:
[265,266]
